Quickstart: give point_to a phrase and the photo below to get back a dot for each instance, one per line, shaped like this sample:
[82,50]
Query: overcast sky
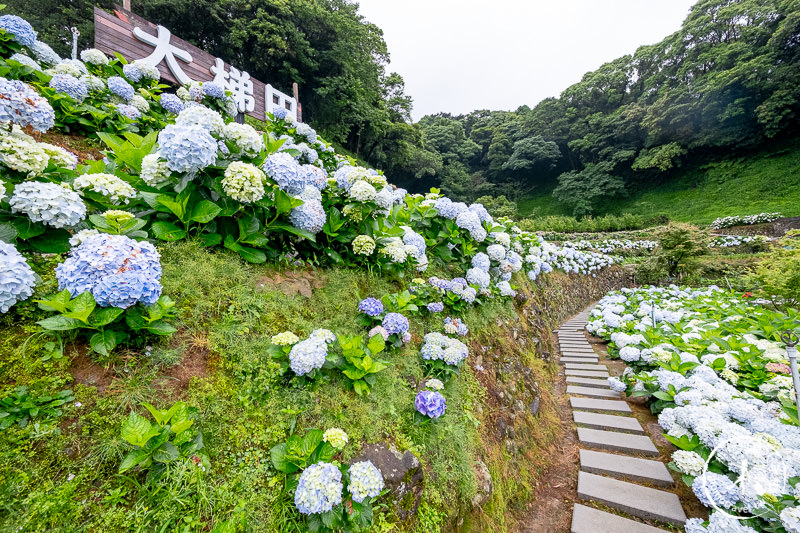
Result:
[461,55]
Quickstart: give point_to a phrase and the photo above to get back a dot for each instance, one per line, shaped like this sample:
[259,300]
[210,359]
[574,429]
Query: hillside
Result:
[764,181]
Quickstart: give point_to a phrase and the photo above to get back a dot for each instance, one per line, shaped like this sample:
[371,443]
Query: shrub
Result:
[777,278]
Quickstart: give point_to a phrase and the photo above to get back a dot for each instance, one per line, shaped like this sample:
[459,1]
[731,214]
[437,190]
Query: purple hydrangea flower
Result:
[213,90]
[120,87]
[370,307]
[395,323]
[430,403]
[171,103]
[71,86]
[280,112]
[436,307]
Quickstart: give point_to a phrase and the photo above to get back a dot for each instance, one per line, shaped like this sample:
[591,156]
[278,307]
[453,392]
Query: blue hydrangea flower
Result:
[286,172]
[129,111]
[306,131]
[482,213]
[20,104]
[279,112]
[71,86]
[370,307]
[342,176]
[120,87]
[716,490]
[366,481]
[395,323]
[479,277]
[315,176]
[213,90]
[481,261]
[319,489]
[187,148]
[311,215]
[19,28]
[118,271]
[25,60]
[435,307]
[412,238]
[44,54]
[439,283]
[308,355]
[17,281]
[430,403]
[171,103]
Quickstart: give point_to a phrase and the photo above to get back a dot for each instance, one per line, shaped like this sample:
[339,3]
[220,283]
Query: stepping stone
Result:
[585,366]
[586,350]
[586,373]
[589,520]
[571,353]
[598,421]
[618,442]
[644,502]
[634,468]
[592,391]
[588,382]
[590,404]
[578,359]
[572,337]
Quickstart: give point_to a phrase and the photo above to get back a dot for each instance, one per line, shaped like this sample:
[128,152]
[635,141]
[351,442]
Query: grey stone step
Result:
[588,382]
[589,520]
[579,337]
[644,502]
[590,404]
[592,391]
[610,422]
[633,468]
[584,366]
[577,351]
[586,373]
[616,441]
[583,356]
[578,360]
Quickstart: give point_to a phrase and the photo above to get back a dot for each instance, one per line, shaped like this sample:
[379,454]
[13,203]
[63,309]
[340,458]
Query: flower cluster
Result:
[118,271]
[20,104]
[247,140]
[139,70]
[335,437]
[371,307]
[309,354]
[109,185]
[19,28]
[430,403]
[17,281]
[395,324]
[55,205]
[363,245]
[243,182]
[761,218]
[366,481]
[71,86]
[319,489]
[438,347]
[455,326]
[120,87]
[187,148]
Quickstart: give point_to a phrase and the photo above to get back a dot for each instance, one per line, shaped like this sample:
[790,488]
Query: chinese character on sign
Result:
[238,82]
[165,50]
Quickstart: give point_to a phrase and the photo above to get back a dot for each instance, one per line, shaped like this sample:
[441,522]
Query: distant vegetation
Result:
[726,82]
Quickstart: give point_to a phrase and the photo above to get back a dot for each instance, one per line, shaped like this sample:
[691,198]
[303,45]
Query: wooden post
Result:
[126,5]
[296,94]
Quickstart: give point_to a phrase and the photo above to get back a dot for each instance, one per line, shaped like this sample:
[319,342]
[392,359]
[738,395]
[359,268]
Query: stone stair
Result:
[615,472]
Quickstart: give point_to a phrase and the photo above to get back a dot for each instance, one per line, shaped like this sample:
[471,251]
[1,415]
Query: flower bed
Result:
[716,373]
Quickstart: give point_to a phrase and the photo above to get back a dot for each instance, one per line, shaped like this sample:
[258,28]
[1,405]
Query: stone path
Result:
[615,472]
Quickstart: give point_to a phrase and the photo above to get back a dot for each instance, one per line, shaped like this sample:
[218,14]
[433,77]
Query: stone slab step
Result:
[616,441]
[589,520]
[578,360]
[644,502]
[578,351]
[608,422]
[578,337]
[580,355]
[633,468]
[584,366]
[592,391]
[586,373]
[588,382]
[590,404]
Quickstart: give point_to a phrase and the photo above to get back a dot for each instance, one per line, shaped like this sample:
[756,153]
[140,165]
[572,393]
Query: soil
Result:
[302,282]
[88,373]
[195,362]
[77,144]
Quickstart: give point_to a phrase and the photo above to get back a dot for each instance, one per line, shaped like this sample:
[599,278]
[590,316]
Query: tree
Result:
[584,190]
[531,153]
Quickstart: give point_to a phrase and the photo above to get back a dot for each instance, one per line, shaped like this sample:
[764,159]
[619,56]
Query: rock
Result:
[511,447]
[519,406]
[485,484]
[502,427]
[534,407]
[402,473]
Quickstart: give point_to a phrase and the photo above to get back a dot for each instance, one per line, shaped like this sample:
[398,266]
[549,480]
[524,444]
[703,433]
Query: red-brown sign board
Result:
[181,63]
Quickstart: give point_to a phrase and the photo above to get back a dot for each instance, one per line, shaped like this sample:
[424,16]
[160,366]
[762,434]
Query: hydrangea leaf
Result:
[167,231]
[138,430]
[205,211]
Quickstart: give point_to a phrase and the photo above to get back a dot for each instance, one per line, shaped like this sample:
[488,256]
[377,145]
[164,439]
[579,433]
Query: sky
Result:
[457,56]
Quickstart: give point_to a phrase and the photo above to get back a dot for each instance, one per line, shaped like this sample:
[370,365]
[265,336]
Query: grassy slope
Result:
[217,363]
[764,182]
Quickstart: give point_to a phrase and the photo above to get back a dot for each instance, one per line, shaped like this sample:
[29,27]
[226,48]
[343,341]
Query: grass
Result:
[766,181]
[62,475]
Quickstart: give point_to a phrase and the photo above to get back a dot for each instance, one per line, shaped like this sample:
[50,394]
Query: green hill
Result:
[766,181]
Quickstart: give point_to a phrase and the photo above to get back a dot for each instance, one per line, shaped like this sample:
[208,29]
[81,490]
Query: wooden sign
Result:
[182,63]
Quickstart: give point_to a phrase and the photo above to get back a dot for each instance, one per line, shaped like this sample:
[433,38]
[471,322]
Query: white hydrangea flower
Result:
[361,191]
[244,182]
[109,185]
[155,170]
[50,203]
[249,142]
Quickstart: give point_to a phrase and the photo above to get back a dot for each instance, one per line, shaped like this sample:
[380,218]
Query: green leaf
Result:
[167,231]
[104,342]
[283,202]
[295,231]
[27,229]
[205,211]
[60,323]
[376,344]
[104,316]
[137,430]
[132,459]
[161,327]
[7,233]
[58,302]
[311,440]
[174,206]
[81,307]
[361,387]
[278,455]
[166,453]
[211,239]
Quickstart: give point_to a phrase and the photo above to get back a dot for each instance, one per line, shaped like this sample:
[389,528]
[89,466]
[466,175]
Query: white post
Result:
[75,34]
[791,340]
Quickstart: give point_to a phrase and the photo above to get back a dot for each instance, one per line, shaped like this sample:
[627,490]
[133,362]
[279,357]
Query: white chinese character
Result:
[273,98]
[238,82]
[164,50]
